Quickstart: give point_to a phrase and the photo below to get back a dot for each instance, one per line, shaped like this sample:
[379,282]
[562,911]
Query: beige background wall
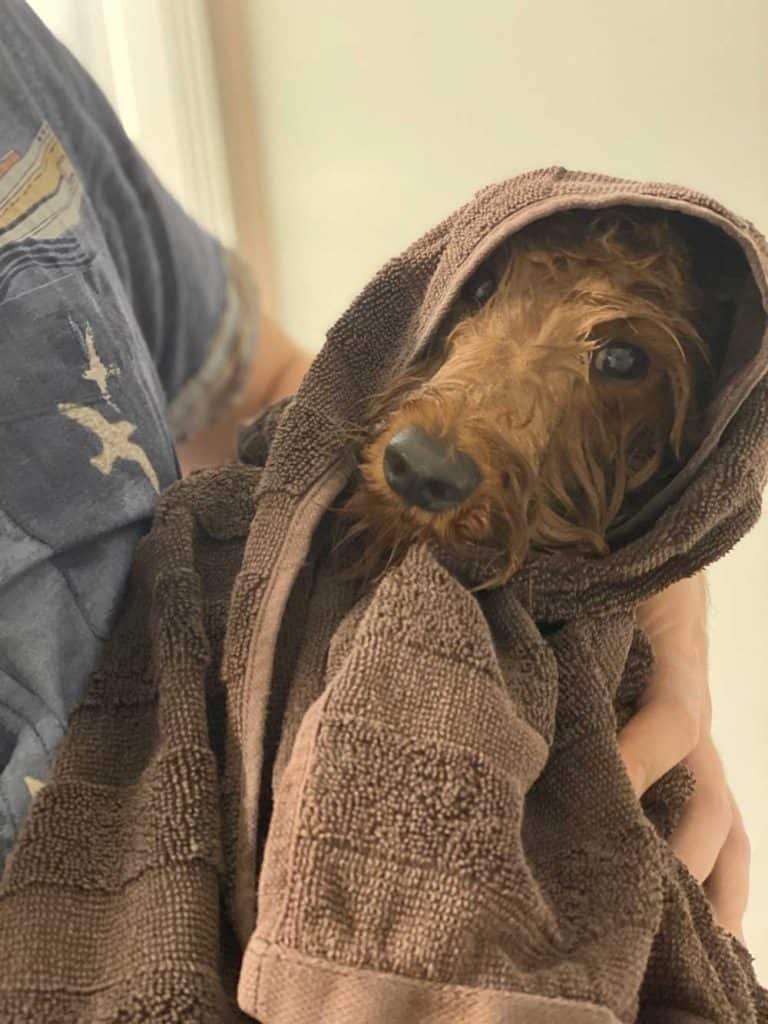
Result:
[378,119]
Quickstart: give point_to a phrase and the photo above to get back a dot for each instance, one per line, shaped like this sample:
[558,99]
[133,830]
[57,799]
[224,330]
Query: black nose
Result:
[423,471]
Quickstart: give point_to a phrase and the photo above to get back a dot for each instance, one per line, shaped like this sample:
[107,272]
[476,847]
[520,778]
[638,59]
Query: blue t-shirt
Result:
[117,316]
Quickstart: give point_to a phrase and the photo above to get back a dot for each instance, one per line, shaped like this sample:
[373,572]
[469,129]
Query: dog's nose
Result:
[422,470]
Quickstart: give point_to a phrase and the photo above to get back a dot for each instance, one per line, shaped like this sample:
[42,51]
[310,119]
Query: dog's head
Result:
[571,370]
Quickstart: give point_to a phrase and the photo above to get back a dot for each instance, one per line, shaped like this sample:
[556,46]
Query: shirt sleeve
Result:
[193,302]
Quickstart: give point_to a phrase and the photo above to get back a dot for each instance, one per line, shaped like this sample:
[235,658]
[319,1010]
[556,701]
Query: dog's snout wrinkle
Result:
[424,472]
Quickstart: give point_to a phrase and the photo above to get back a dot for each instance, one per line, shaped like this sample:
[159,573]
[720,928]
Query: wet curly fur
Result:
[562,449]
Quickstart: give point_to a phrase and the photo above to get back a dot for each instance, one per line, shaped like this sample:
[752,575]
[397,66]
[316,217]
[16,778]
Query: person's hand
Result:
[673,724]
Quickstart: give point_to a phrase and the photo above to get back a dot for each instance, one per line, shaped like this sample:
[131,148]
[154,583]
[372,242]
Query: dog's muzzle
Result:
[424,472]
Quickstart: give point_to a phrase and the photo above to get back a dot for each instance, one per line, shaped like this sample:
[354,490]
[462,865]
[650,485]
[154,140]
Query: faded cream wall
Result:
[378,119]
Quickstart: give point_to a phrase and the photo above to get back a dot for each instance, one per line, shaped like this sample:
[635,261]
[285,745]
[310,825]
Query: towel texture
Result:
[281,800]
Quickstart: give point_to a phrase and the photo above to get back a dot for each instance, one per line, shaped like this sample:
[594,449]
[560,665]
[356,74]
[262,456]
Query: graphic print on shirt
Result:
[33,785]
[97,371]
[115,438]
[40,205]
[115,441]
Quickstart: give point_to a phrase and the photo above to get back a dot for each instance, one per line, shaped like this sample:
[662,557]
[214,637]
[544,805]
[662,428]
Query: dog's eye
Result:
[480,287]
[621,360]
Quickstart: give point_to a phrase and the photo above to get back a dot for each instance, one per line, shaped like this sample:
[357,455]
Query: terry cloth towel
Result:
[402,807]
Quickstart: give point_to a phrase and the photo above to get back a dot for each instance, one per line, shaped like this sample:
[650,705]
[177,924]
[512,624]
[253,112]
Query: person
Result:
[132,348]
[124,328]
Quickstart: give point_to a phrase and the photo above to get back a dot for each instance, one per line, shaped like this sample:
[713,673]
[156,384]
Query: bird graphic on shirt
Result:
[97,371]
[115,440]
[33,785]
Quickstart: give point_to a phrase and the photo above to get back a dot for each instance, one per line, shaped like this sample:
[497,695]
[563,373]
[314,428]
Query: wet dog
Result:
[570,377]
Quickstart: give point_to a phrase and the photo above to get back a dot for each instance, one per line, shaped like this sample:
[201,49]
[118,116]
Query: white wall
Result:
[378,119]
[381,118]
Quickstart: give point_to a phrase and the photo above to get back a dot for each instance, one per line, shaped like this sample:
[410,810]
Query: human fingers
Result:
[675,707]
[708,816]
[728,884]
[662,733]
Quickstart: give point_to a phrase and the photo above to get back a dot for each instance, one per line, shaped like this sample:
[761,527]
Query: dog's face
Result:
[572,367]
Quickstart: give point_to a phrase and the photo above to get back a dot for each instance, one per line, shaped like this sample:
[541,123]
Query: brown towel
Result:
[453,838]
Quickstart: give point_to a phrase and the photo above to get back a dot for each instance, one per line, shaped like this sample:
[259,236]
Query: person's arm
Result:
[674,724]
[276,372]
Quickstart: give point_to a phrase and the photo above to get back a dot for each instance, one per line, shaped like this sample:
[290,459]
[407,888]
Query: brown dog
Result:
[572,374]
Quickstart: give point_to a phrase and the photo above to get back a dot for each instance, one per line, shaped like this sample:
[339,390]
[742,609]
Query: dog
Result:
[570,378]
